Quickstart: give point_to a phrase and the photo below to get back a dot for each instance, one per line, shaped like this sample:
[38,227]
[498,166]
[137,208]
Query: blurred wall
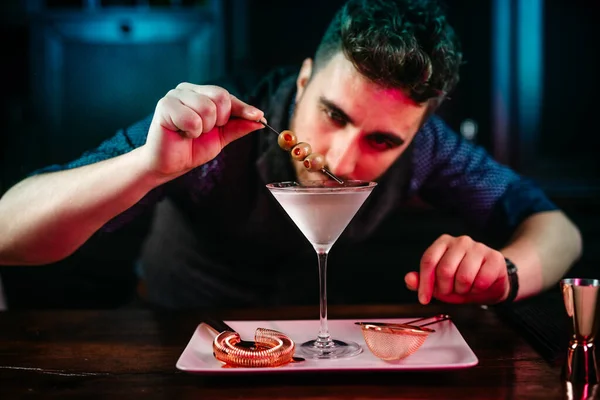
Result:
[71,77]
[111,70]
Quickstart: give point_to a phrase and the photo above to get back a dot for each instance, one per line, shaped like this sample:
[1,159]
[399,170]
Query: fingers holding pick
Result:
[195,109]
[192,124]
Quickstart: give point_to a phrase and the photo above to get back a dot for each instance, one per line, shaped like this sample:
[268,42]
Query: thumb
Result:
[236,128]
[412,281]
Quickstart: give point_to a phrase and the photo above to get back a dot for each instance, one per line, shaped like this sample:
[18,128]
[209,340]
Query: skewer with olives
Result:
[301,151]
[313,162]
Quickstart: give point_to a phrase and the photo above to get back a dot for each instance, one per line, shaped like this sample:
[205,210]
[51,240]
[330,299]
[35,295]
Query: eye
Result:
[335,117]
[382,142]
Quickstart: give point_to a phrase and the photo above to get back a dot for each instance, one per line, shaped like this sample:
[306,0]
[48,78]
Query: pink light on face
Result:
[342,114]
[395,95]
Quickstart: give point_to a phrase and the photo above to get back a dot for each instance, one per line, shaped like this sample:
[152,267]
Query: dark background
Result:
[72,75]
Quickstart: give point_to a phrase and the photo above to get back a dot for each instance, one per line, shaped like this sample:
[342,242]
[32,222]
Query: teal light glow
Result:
[529,66]
[517,76]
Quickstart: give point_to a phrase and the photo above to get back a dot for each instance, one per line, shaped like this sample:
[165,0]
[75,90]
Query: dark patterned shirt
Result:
[220,239]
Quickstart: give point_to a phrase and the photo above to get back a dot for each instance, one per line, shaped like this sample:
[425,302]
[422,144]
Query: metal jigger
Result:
[581,300]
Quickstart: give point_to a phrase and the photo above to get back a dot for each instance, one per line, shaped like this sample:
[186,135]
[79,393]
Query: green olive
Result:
[287,140]
[314,162]
[301,151]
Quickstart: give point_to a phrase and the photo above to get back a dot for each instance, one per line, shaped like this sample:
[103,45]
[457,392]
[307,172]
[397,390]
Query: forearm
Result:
[47,217]
[544,247]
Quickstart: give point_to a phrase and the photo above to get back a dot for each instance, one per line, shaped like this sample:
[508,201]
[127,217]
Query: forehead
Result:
[340,82]
[339,75]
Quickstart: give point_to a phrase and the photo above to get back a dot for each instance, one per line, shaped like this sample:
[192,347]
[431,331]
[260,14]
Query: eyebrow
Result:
[394,138]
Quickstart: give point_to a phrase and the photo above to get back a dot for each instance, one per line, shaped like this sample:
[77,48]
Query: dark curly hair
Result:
[406,44]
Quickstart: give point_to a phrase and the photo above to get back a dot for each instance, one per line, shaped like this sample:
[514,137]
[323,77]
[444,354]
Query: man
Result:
[366,102]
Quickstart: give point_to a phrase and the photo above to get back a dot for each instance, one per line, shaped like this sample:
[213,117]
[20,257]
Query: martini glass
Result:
[322,210]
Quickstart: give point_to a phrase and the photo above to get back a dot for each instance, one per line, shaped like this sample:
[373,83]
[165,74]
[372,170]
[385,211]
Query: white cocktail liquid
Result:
[321,214]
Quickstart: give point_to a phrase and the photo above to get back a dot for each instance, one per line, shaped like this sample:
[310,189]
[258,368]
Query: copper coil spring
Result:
[271,349]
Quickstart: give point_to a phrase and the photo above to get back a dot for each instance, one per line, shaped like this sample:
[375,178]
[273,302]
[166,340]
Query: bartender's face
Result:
[360,127]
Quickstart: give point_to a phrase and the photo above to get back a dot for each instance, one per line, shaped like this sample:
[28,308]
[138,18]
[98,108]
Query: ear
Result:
[303,77]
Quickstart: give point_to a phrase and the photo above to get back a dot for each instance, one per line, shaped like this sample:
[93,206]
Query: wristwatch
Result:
[513,281]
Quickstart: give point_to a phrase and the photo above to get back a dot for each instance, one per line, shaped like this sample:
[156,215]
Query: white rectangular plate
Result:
[443,349]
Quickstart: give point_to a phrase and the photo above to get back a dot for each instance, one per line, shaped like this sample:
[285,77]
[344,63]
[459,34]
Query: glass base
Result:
[329,350]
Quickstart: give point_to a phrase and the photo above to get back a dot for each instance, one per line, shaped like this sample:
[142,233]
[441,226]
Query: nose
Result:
[343,156]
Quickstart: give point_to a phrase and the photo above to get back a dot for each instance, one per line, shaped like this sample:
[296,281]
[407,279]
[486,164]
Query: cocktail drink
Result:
[322,210]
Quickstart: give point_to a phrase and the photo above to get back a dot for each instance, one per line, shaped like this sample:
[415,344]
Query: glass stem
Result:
[324,336]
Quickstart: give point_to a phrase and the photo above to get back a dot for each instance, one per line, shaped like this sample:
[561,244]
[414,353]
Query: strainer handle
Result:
[437,318]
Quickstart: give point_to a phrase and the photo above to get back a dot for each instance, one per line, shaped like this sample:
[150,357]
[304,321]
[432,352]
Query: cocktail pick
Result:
[324,170]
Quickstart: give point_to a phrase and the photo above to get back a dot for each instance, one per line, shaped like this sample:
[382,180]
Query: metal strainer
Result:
[395,341]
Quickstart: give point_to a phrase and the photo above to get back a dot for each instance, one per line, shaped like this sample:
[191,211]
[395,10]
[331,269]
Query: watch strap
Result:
[513,281]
